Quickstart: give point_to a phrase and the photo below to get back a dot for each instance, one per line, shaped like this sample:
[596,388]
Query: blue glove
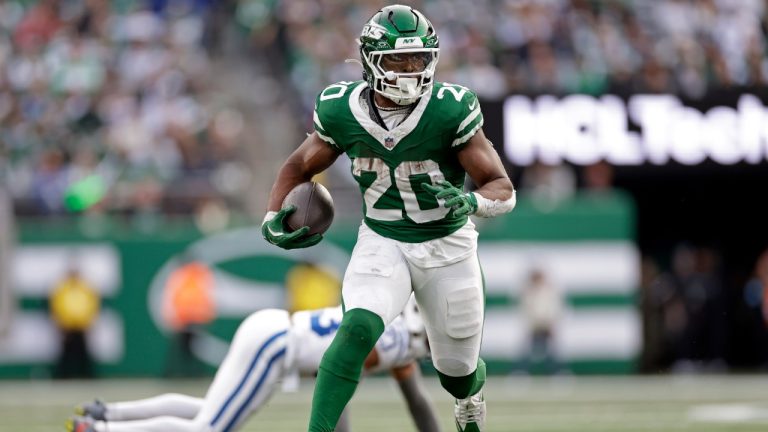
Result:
[275,232]
[462,203]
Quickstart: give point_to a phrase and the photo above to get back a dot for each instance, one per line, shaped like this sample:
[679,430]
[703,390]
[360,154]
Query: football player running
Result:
[270,346]
[412,140]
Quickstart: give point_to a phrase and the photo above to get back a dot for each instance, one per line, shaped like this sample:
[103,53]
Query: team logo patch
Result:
[389,142]
[409,42]
[373,31]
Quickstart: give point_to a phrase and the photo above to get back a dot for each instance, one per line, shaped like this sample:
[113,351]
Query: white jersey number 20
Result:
[404,173]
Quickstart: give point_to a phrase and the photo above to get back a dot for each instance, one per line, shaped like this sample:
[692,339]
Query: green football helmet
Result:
[399,37]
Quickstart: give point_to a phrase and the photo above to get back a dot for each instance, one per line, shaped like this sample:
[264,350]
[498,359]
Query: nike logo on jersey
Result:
[472,105]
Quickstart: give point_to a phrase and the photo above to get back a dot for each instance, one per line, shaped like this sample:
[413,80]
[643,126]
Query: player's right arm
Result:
[319,150]
[422,410]
[312,157]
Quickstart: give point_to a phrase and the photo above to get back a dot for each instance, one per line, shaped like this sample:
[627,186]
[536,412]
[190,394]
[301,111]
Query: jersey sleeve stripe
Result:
[469,119]
[321,130]
[464,138]
[327,139]
[316,118]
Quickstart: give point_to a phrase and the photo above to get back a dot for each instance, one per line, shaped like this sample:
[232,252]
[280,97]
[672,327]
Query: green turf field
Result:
[678,403]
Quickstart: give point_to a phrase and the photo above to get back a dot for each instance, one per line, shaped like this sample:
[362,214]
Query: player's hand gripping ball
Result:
[306,213]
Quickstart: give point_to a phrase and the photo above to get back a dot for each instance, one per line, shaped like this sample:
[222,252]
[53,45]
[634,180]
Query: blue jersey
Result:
[313,331]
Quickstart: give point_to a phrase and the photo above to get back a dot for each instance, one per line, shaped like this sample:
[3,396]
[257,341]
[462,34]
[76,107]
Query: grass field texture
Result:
[515,404]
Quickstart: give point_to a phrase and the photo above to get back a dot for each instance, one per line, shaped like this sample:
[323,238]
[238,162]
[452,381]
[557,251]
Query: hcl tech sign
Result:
[582,129]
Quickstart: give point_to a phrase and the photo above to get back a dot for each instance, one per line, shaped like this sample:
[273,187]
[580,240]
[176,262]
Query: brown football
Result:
[314,207]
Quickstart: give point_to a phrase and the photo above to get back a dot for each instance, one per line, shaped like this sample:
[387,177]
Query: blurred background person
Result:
[549,185]
[188,305]
[598,178]
[666,319]
[542,308]
[693,309]
[310,286]
[74,307]
[756,301]
[652,303]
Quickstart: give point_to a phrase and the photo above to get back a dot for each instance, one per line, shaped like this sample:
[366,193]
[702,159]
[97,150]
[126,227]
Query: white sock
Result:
[169,404]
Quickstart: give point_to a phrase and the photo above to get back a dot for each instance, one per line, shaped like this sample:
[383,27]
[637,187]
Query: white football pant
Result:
[380,279]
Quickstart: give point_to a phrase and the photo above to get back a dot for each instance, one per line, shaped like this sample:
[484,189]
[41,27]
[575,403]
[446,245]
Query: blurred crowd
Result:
[498,47]
[684,312]
[697,319]
[107,106]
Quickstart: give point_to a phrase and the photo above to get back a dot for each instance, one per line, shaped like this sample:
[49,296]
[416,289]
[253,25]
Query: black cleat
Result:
[95,410]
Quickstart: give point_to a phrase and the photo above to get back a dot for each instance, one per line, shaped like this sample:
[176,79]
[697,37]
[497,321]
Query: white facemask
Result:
[402,88]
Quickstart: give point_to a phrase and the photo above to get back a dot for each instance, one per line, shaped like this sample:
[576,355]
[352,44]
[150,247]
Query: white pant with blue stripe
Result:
[255,363]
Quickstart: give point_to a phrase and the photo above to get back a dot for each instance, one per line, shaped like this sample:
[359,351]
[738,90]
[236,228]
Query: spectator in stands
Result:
[93,88]
[131,80]
[555,46]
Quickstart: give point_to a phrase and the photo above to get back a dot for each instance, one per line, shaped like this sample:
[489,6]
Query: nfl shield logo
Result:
[389,142]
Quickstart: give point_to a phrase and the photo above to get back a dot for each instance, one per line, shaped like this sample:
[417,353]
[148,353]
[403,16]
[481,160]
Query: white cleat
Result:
[470,413]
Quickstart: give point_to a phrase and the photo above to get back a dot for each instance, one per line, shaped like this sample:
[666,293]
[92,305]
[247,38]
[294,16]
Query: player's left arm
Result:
[483,165]
[494,195]
[422,409]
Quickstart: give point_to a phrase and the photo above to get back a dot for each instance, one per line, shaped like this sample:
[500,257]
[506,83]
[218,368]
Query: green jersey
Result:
[391,165]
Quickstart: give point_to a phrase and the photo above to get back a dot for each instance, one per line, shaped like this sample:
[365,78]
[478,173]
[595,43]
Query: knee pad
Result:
[356,336]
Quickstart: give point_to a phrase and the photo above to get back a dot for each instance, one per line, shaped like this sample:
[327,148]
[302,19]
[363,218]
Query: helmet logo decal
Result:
[373,31]
[409,42]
